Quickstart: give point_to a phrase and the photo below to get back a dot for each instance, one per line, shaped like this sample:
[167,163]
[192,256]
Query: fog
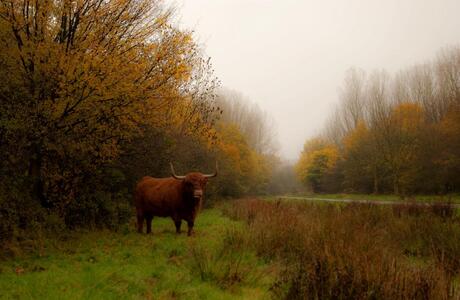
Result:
[291,56]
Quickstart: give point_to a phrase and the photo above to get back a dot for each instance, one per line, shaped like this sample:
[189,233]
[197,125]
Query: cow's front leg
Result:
[190,227]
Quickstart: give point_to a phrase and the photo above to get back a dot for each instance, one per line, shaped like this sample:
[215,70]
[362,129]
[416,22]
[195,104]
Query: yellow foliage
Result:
[356,137]
[249,170]
[408,117]
[316,160]
[84,77]
[95,71]
[233,144]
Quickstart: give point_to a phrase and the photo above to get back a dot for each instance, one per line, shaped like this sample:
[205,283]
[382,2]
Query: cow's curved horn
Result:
[212,175]
[174,173]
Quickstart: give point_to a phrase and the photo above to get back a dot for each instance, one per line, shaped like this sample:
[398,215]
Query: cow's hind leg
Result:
[178,224]
[149,223]
[140,221]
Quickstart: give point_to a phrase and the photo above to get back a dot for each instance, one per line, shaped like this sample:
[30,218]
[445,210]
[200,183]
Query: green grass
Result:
[127,265]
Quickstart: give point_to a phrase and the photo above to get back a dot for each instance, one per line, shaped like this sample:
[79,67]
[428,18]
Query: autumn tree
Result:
[316,162]
[360,167]
[403,145]
[244,170]
[447,160]
[398,134]
[79,79]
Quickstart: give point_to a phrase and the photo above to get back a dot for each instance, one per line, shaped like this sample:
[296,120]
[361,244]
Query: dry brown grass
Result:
[355,251]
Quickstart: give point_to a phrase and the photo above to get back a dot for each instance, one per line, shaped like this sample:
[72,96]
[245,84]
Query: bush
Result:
[23,222]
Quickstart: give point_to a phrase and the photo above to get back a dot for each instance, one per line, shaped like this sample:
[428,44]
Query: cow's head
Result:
[195,182]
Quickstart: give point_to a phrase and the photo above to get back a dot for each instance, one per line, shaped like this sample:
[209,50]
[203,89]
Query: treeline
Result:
[391,134]
[261,170]
[95,95]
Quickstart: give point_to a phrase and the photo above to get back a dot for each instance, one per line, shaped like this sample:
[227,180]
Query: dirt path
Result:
[378,202]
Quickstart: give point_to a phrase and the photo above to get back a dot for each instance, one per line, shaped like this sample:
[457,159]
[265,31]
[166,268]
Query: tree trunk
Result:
[396,186]
[376,182]
[35,174]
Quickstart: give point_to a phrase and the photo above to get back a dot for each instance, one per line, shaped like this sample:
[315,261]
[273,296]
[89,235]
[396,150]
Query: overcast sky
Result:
[291,56]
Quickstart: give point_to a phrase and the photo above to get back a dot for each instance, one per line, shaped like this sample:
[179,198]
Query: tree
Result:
[352,99]
[351,108]
[85,77]
[447,160]
[399,131]
[257,126]
[403,144]
[447,68]
[360,164]
[316,162]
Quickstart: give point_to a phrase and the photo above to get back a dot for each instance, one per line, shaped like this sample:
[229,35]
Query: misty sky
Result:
[291,56]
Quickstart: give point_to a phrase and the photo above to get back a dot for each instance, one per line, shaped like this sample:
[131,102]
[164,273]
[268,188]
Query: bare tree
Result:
[258,126]
[352,98]
[447,68]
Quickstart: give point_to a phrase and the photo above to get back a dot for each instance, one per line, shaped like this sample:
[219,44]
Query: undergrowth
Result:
[355,251]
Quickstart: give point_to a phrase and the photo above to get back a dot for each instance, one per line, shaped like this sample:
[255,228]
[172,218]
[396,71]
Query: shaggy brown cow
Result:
[178,197]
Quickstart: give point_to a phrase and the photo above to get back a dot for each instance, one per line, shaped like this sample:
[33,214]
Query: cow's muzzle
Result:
[197,194]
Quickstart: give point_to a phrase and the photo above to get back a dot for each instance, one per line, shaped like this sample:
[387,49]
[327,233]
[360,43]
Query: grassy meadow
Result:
[127,265]
[254,249]
[356,251]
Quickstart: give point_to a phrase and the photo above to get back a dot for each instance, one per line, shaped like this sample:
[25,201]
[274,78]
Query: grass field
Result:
[356,251]
[127,265]
[254,249]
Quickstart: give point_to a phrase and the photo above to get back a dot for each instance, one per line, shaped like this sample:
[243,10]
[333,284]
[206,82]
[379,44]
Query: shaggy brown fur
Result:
[179,199]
